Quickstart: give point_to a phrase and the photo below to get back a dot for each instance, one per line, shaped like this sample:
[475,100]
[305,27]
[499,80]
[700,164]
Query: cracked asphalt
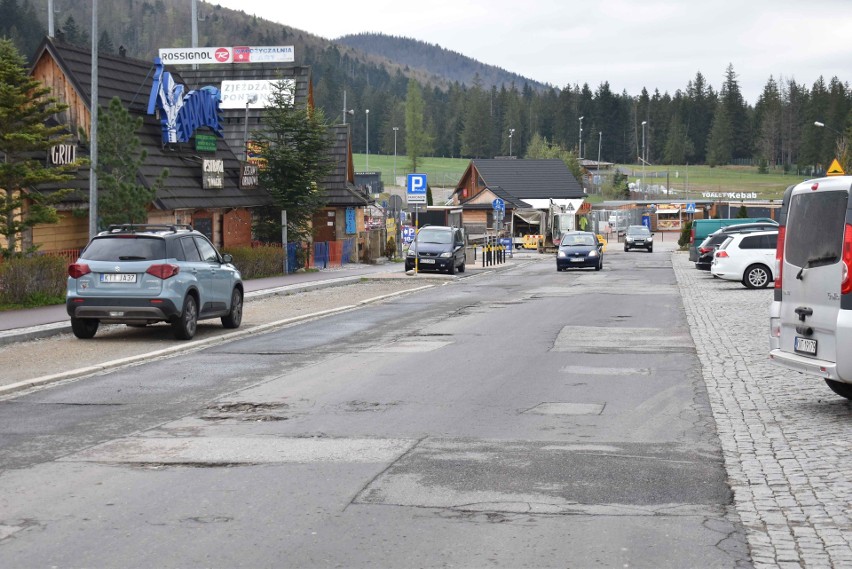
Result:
[786,438]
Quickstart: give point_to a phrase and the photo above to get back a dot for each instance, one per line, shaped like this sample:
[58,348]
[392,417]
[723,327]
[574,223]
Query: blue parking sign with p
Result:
[416,189]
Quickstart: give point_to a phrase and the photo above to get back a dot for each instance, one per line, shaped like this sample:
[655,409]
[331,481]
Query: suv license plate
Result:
[805,346]
[118,277]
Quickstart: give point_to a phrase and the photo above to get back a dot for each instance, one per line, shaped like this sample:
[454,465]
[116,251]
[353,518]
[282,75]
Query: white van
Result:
[810,321]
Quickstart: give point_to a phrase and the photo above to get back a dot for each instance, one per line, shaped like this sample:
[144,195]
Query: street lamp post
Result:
[600,141]
[395,129]
[368,140]
[642,158]
[511,132]
[840,144]
[249,100]
[580,141]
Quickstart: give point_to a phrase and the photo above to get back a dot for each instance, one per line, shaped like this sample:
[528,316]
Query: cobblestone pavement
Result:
[786,438]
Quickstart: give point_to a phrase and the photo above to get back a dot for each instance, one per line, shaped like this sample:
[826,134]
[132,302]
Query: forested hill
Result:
[434,59]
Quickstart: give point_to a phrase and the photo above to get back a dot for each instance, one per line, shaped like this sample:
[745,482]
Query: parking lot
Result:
[786,437]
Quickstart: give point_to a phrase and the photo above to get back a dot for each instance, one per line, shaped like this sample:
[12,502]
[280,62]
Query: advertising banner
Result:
[235,94]
[236,54]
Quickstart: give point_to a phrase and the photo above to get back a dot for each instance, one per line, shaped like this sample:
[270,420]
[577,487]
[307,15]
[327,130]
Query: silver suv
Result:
[142,274]
[810,320]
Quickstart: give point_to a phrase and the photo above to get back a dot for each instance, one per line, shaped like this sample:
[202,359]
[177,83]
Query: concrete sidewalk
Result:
[46,321]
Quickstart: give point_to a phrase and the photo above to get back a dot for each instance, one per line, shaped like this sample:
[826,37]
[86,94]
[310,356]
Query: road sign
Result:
[690,208]
[415,191]
[498,204]
[407,234]
[835,169]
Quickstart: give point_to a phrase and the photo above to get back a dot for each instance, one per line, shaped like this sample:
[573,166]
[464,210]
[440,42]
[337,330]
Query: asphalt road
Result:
[521,418]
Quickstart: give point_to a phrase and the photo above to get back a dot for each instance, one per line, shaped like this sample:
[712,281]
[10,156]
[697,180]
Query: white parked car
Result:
[747,257]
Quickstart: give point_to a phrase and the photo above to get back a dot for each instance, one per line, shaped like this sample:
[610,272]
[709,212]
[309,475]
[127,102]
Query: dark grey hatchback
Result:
[578,249]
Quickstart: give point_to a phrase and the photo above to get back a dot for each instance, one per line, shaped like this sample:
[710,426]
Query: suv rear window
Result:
[125,248]
[815,228]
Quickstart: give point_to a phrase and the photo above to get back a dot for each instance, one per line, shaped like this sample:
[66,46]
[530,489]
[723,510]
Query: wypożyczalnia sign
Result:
[205,143]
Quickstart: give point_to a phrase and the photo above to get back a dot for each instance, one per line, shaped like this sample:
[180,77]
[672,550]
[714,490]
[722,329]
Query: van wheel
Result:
[756,276]
[842,389]
[461,267]
[452,268]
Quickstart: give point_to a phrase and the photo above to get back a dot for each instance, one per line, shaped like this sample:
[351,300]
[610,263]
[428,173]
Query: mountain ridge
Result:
[435,60]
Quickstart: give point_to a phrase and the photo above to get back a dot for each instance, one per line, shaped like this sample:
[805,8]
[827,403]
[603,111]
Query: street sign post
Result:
[415,192]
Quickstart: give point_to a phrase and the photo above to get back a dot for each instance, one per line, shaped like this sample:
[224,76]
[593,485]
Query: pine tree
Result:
[122,198]
[25,109]
[477,123]
[105,44]
[719,143]
[295,143]
[418,143]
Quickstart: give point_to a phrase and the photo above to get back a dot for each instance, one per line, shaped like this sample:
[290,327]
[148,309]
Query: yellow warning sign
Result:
[835,169]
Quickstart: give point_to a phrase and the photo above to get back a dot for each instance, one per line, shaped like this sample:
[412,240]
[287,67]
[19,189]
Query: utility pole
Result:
[93,135]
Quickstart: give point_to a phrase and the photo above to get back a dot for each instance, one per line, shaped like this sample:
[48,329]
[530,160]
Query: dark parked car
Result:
[142,274]
[578,249]
[638,237]
[708,247]
[437,248]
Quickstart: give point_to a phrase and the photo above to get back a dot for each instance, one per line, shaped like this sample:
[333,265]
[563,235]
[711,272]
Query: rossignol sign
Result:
[236,54]
[197,55]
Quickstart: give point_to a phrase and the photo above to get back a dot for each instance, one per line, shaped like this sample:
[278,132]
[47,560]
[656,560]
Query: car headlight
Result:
[593,253]
[446,254]
[410,252]
[629,239]
[561,254]
[649,238]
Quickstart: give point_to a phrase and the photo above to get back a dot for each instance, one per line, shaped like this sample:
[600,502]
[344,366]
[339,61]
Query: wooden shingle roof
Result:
[534,179]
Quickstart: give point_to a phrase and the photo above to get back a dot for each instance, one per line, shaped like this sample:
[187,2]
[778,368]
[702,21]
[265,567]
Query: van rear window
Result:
[815,228]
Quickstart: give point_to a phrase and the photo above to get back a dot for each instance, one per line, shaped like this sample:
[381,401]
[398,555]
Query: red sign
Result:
[223,54]
[242,54]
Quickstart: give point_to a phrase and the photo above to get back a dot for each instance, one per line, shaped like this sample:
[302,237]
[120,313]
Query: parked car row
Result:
[744,253]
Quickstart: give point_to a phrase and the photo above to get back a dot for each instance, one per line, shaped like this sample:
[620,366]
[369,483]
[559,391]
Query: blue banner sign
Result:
[181,114]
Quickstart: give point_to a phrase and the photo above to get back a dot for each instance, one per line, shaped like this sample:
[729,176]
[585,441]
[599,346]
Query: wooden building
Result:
[225,213]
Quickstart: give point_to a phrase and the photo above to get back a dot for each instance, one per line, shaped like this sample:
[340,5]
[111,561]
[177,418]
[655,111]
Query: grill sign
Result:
[63,154]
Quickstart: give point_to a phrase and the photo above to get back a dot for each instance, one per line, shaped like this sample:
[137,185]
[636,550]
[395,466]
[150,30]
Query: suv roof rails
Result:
[142,227]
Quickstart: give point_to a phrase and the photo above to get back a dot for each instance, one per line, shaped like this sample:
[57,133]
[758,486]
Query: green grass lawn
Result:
[445,172]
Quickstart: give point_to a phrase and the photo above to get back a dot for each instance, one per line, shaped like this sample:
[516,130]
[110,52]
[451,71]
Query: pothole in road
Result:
[245,411]
[567,409]
[367,406]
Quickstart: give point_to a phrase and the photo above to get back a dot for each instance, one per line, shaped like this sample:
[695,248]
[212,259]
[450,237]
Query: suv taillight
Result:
[77,270]
[779,257]
[163,271]
[846,285]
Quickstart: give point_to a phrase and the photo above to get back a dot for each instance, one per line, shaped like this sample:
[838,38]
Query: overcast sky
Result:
[656,44]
